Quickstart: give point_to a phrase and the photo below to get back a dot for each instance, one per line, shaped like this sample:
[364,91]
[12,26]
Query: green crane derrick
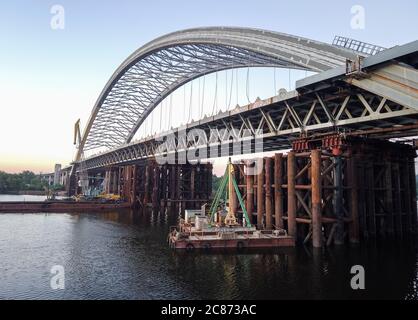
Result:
[222,194]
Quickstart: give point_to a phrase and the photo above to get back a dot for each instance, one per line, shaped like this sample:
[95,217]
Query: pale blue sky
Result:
[49,78]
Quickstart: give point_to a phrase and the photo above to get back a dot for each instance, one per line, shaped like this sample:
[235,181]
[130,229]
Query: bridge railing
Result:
[356,45]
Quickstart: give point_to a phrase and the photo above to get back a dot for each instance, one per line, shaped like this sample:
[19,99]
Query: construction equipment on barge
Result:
[223,228]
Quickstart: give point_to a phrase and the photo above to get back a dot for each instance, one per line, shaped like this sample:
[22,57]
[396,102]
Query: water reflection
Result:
[124,255]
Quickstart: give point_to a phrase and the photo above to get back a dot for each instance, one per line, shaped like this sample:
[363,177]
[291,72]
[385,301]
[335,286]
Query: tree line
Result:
[15,182]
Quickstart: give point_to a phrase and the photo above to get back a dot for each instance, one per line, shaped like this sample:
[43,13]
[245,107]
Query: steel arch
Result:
[158,68]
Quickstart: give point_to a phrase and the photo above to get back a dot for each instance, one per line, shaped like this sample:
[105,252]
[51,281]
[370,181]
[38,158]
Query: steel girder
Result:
[397,82]
[155,70]
[276,121]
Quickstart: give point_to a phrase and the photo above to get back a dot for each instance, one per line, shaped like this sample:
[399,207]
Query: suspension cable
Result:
[275,83]
[236,76]
[248,85]
[215,98]
[198,99]
[171,111]
[203,95]
[226,88]
[184,102]
[231,89]
[145,127]
[152,121]
[189,118]
[161,116]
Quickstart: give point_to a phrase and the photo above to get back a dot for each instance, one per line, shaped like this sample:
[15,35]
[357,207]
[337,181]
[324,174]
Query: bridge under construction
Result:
[350,128]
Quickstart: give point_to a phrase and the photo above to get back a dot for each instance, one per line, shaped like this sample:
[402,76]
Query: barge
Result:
[59,206]
[188,237]
[221,228]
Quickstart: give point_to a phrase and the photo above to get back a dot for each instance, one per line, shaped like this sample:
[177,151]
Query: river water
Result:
[124,255]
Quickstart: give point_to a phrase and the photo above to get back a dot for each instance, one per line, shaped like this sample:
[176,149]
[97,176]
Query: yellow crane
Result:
[84,180]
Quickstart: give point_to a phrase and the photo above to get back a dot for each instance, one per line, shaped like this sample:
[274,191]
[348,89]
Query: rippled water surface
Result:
[124,255]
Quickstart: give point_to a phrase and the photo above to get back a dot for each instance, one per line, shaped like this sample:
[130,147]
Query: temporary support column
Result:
[398,200]
[338,200]
[250,190]
[192,183]
[278,193]
[268,193]
[413,200]
[230,218]
[134,190]
[111,180]
[389,226]
[260,193]
[316,199]
[407,195]
[173,177]
[354,230]
[115,178]
[208,190]
[156,176]
[371,199]
[127,187]
[120,175]
[291,194]
[234,198]
[107,180]
[163,186]
[147,183]
[179,182]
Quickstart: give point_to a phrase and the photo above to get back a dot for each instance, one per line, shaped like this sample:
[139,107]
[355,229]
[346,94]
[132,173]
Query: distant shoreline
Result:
[32,192]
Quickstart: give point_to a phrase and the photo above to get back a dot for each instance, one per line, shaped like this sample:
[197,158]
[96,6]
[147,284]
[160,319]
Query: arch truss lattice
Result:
[157,69]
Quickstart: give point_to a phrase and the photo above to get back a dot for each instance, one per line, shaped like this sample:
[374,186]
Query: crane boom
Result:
[77,133]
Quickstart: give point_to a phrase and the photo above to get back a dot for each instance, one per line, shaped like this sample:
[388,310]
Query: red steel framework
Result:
[334,189]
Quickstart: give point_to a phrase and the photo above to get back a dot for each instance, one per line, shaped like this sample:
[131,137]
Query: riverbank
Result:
[31,192]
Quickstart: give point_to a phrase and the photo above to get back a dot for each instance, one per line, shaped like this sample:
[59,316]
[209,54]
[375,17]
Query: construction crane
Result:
[83,175]
[226,195]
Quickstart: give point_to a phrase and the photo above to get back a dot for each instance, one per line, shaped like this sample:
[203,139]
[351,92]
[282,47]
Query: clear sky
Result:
[50,78]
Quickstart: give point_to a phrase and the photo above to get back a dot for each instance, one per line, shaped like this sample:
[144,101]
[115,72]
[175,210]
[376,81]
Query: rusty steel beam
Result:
[268,193]
[389,225]
[338,200]
[278,192]
[260,195]
[354,228]
[316,198]
[291,194]
[250,191]
[413,200]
